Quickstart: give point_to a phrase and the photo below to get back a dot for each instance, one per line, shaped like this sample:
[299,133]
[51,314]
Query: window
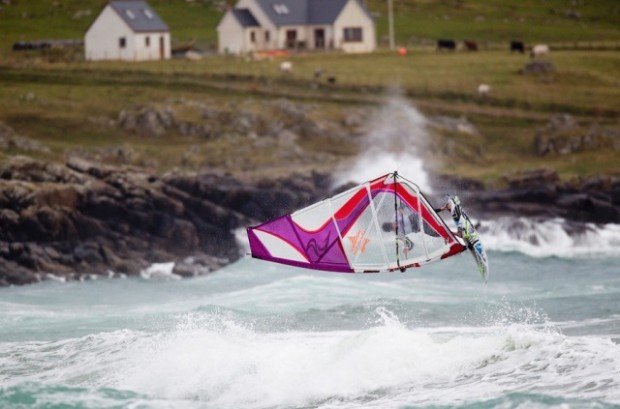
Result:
[253,36]
[122,42]
[267,36]
[352,34]
[147,41]
[148,14]
[130,14]
[280,8]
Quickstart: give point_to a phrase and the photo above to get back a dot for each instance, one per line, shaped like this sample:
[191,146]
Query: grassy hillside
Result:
[42,19]
[416,20]
[585,82]
[74,105]
[70,106]
[503,20]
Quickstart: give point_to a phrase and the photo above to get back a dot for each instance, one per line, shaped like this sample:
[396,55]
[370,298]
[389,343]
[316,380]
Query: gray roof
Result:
[325,11]
[296,12]
[245,17]
[138,15]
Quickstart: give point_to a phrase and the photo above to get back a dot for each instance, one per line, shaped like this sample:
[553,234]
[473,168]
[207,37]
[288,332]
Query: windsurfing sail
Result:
[382,225]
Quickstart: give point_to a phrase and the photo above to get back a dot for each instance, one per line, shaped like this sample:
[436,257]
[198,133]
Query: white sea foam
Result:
[396,135]
[211,358]
[160,270]
[554,237]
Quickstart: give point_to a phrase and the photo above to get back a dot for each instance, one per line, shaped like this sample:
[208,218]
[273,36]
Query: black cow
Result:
[517,46]
[471,45]
[444,44]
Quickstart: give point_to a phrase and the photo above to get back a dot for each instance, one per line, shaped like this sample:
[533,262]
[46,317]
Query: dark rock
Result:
[89,252]
[86,218]
[538,67]
[615,195]
[532,178]
[563,136]
[9,139]
[147,121]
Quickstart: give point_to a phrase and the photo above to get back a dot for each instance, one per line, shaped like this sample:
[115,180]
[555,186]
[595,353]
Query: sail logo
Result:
[314,247]
[359,242]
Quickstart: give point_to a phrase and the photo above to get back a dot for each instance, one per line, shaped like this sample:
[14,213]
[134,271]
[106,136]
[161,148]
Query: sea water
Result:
[544,332]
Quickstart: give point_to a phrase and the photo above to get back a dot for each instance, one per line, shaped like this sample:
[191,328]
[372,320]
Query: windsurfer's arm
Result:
[441,209]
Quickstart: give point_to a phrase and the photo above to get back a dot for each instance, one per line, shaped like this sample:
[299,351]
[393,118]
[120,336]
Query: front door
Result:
[319,38]
[291,38]
[162,54]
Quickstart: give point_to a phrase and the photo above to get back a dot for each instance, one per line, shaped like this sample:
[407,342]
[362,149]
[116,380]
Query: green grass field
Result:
[486,21]
[70,97]
[63,103]
[585,82]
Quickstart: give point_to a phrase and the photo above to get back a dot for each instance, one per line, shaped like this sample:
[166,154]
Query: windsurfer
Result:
[466,230]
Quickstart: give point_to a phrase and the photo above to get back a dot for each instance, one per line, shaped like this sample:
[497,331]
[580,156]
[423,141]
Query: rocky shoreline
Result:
[82,218]
[541,194]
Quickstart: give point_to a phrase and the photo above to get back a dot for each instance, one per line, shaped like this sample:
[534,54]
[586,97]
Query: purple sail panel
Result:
[256,246]
[286,242]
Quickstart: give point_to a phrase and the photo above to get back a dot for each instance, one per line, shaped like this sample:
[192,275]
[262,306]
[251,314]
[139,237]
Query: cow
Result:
[517,46]
[444,44]
[471,45]
[539,50]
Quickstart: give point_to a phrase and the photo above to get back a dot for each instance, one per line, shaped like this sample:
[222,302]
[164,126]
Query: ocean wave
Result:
[219,361]
[554,237]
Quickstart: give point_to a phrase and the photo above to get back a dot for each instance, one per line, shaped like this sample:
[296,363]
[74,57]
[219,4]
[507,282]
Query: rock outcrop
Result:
[538,67]
[541,193]
[214,122]
[84,218]
[563,135]
[9,139]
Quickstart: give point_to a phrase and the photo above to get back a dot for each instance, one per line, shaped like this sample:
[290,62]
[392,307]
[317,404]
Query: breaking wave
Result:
[553,237]
[212,358]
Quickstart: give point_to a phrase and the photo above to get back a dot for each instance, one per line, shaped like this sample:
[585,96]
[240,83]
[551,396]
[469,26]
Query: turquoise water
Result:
[545,332]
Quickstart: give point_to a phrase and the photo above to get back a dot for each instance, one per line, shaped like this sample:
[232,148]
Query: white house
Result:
[127,30]
[263,25]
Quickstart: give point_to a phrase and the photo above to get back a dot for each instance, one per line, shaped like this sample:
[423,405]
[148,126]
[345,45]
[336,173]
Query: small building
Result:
[127,30]
[265,25]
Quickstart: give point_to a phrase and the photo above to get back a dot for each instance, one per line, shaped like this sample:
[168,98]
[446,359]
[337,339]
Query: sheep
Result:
[539,50]
[484,90]
[286,66]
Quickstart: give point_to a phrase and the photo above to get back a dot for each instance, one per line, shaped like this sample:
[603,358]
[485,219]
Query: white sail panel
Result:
[384,224]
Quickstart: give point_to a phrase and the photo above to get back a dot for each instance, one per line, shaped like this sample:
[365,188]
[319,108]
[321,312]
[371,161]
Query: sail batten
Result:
[381,225]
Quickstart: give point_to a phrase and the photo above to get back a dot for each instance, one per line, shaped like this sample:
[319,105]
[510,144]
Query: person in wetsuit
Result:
[466,231]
